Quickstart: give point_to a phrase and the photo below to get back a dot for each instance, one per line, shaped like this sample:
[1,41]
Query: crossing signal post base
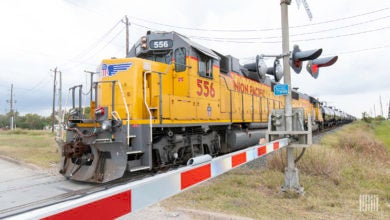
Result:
[291,177]
[302,137]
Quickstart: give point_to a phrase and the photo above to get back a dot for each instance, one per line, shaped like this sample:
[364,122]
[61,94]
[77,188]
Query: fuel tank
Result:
[239,139]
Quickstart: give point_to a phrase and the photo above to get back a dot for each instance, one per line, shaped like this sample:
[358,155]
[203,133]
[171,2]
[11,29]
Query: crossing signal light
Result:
[260,67]
[314,65]
[276,70]
[299,56]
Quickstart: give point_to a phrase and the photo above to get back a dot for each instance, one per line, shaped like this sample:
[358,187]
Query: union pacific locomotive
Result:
[169,101]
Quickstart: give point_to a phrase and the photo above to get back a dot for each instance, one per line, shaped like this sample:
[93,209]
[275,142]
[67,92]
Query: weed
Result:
[348,163]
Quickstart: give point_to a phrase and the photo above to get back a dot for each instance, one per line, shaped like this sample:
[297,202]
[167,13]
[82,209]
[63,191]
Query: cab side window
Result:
[205,67]
[180,59]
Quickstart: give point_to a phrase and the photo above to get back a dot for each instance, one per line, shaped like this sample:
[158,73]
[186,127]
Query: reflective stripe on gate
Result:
[128,198]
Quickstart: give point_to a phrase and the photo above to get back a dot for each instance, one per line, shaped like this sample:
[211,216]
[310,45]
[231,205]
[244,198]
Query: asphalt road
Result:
[22,186]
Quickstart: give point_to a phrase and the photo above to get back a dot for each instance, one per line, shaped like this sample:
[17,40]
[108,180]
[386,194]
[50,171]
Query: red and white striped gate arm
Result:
[128,198]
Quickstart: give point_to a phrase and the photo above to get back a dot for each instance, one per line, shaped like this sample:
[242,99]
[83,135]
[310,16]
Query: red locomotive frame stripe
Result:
[194,176]
[194,58]
[238,159]
[276,145]
[261,151]
[107,208]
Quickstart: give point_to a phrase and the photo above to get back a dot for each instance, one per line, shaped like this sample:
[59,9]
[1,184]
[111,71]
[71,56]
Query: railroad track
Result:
[57,182]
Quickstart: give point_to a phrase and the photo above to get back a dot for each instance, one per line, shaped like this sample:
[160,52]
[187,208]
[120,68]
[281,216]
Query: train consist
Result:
[333,117]
[169,101]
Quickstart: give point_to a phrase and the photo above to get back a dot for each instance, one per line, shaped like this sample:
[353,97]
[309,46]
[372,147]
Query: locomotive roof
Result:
[178,41]
[197,46]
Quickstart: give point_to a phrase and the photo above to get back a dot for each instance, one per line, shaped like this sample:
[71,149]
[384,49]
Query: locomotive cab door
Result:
[205,85]
[180,102]
[180,78]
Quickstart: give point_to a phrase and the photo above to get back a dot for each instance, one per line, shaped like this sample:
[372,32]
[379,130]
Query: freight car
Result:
[169,101]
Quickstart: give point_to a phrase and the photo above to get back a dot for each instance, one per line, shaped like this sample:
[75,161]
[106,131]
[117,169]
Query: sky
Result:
[75,35]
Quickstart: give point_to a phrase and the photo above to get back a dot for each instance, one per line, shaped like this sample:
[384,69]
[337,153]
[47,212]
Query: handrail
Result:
[116,116]
[147,107]
[227,86]
[127,113]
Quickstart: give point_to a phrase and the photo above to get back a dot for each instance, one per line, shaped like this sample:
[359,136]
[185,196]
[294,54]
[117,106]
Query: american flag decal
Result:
[103,71]
[113,69]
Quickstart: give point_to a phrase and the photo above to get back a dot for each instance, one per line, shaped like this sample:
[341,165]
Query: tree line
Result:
[28,121]
[34,121]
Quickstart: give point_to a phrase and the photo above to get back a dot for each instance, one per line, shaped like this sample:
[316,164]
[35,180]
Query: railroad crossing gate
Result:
[122,200]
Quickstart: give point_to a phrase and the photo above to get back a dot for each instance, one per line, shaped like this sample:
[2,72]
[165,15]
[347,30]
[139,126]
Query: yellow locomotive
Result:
[170,100]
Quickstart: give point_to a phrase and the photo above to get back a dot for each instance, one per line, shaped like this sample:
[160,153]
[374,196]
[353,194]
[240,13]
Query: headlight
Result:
[106,125]
[74,112]
[99,111]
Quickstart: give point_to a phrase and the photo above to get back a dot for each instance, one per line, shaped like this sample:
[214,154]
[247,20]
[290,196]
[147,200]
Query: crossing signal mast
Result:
[289,125]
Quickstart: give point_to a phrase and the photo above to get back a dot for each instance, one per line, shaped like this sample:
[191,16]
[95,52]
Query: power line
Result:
[258,30]
[345,35]
[250,39]
[36,85]
[91,47]
[361,50]
[98,51]
[341,19]
[227,40]
[299,34]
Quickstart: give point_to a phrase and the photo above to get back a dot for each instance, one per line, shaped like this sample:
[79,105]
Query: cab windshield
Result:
[160,56]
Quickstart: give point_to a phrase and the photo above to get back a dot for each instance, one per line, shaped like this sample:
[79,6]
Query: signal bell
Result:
[314,65]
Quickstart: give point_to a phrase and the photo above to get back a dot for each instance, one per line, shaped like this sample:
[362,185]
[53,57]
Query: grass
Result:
[34,147]
[352,161]
[382,132]
[346,164]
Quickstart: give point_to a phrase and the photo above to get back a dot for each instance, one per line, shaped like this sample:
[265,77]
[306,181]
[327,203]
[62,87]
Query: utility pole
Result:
[388,113]
[11,102]
[60,106]
[127,35]
[291,177]
[54,99]
[380,102]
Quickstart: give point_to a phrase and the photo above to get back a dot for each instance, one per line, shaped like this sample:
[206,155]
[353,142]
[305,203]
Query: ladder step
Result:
[139,168]
[134,152]
[132,136]
[153,108]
